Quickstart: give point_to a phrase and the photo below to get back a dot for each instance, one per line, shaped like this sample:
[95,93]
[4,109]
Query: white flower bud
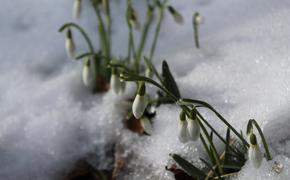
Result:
[140,102]
[193,129]
[69,44]
[199,19]
[115,81]
[254,152]
[77,9]
[182,128]
[89,73]
[146,124]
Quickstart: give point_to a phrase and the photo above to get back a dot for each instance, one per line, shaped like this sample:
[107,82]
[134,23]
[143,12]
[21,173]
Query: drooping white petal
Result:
[182,131]
[255,155]
[70,47]
[77,9]
[193,129]
[115,83]
[146,124]
[139,105]
[89,74]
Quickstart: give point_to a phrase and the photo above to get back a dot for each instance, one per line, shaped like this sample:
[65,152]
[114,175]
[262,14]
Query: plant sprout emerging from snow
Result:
[197,127]
[196,21]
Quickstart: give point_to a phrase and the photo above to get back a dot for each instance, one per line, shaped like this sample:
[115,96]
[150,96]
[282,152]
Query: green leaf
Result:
[188,167]
[249,127]
[207,164]
[233,165]
[227,150]
[168,80]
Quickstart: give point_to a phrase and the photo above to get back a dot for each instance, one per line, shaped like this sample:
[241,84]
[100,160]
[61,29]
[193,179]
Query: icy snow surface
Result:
[48,120]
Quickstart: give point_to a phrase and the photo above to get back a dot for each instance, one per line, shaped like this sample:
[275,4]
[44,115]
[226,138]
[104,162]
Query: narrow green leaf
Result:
[249,127]
[234,165]
[227,150]
[168,80]
[188,167]
[207,164]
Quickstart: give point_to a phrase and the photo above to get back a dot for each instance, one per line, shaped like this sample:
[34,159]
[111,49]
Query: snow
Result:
[49,120]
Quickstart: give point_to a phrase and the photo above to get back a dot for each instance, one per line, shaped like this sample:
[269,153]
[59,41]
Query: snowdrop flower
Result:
[69,44]
[115,81]
[140,101]
[176,15]
[146,124]
[193,128]
[254,152]
[182,128]
[89,73]
[77,9]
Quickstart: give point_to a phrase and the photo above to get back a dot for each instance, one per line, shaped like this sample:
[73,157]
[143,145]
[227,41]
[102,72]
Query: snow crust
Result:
[48,120]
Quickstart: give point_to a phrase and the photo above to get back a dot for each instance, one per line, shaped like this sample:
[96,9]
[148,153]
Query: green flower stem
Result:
[268,155]
[215,132]
[211,172]
[157,31]
[109,26]
[150,65]
[226,175]
[142,44]
[215,154]
[132,43]
[82,31]
[102,30]
[219,116]
[206,147]
[195,29]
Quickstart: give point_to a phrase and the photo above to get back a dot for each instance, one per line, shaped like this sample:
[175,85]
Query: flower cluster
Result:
[188,128]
